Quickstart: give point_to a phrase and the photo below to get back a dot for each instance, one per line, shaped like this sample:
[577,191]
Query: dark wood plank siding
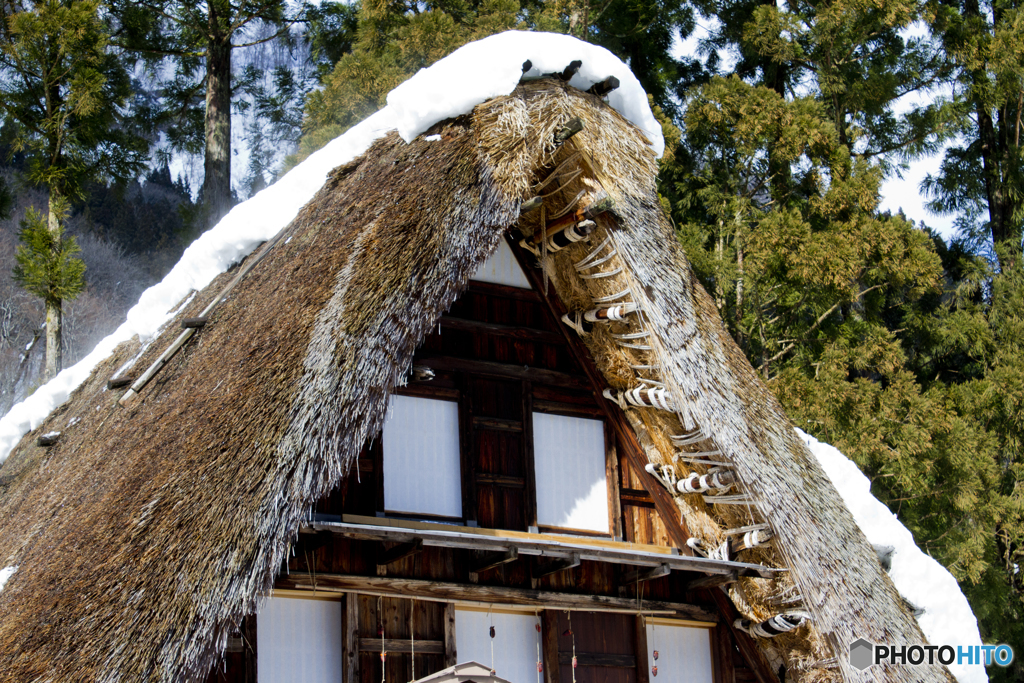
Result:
[605,647]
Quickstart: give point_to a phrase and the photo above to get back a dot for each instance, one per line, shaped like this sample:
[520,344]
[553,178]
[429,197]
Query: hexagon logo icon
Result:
[861,654]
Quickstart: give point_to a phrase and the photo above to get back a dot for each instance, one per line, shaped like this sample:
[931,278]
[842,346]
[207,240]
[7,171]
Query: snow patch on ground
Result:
[5,574]
[948,619]
[493,66]
[451,87]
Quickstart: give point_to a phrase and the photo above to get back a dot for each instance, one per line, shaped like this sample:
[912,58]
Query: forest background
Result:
[899,346]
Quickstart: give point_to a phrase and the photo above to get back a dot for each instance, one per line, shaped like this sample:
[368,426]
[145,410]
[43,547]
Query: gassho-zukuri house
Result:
[469,404]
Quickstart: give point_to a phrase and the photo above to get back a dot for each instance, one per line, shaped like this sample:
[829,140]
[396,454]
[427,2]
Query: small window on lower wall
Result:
[569,459]
[299,641]
[422,471]
[684,651]
[515,643]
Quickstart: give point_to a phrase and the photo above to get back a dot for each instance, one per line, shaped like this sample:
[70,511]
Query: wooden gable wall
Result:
[501,353]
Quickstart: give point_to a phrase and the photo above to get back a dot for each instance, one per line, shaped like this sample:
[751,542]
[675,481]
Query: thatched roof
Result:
[146,533]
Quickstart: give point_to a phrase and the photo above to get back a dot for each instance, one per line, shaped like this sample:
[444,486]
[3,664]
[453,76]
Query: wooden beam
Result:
[118,382]
[539,570]
[441,591]
[47,440]
[503,291]
[722,653]
[541,545]
[451,656]
[504,370]
[549,636]
[402,645]
[641,575]
[497,424]
[492,560]
[637,497]
[614,481]
[511,331]
[350,637]
[499,480]
[757,662]
[193,323]
[573,126]
[598,659]
[627,439]
[467,447]
[400,552]
[530,513]
[712,581]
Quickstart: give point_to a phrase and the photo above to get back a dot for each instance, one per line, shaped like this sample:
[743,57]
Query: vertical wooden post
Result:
[451,655]
[611,466]
[531,473]
[249,640]
[549,645]
[377,453]
[721,646]
[466,450]
[350,638]
[643,663]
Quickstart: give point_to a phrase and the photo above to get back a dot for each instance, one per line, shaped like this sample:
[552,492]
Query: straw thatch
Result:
[146,533]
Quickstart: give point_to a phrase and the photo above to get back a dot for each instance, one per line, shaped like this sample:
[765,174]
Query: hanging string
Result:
[380,620]
[540,662]
[654,642]
[569,612]
[490,620]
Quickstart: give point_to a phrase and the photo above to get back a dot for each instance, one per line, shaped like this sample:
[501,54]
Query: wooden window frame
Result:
[460,395]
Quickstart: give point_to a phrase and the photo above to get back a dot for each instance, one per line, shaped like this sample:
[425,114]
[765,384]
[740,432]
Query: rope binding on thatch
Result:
[774,626]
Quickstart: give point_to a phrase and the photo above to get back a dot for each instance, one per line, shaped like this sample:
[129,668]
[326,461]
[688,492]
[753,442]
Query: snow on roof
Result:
[5,574]
[453,86]
[948,619]
[493,66]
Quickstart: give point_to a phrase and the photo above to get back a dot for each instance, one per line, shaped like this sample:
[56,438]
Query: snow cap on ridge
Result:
[492,67]
[948,618]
